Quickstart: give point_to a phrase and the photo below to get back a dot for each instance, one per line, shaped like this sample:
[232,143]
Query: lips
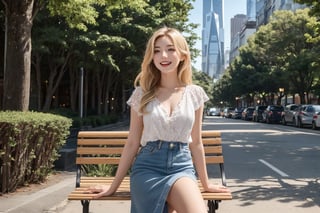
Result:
[165,63]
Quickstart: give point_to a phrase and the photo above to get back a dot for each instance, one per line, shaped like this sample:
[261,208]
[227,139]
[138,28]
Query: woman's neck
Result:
[170,82]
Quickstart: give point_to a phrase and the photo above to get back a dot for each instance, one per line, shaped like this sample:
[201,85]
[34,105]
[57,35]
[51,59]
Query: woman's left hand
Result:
[217,188]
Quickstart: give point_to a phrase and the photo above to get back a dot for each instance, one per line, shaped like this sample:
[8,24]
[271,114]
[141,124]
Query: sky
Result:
[231,8]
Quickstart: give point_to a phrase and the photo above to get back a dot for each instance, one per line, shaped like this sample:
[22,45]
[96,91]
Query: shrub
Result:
[29,144]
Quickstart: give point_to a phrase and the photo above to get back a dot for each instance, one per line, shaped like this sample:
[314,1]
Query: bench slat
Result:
[103,134]
[101,141]
[210,133]
[213,150]
[97,160]
[211,141]
[214,159]
[99,150]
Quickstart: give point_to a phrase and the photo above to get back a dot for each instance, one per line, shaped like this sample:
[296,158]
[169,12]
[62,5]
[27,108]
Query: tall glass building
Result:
[251,10]
[213,38]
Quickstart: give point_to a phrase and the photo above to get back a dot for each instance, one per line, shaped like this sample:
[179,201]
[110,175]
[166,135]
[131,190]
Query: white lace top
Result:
[159,125]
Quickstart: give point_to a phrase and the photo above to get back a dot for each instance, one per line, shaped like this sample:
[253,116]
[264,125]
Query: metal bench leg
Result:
[85,206]
[211,206]
[216,204]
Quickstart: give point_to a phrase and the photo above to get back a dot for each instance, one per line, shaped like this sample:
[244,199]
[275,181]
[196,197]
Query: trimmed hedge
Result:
[29,144]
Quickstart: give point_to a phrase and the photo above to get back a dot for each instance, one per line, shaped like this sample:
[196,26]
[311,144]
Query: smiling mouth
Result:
[166,63]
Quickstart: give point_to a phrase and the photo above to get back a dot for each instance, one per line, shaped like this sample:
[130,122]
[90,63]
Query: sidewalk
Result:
[51,197]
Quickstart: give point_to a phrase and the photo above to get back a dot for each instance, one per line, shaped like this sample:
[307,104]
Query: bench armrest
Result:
[78,175]
[223,174]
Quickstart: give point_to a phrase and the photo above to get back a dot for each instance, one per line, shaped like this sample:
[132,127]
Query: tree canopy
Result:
[281,54]
[106,37]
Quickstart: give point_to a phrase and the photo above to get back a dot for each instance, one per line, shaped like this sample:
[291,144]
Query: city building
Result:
[236,25]
[258,13]
[251,10]
[242,27]
[265,8]
[213,38]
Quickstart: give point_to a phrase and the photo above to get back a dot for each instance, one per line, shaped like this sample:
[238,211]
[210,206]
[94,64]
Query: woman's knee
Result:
[185,196]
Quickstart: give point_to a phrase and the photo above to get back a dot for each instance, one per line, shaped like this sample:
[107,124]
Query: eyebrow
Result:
[170,45]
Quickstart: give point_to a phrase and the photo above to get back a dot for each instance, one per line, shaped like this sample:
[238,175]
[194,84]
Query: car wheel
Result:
[268,121]
[314,126]
[299,123]
[294,123]
[284,121]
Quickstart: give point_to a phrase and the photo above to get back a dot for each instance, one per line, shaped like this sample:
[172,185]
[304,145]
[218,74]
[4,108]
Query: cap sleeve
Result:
[199,96]
[135,98]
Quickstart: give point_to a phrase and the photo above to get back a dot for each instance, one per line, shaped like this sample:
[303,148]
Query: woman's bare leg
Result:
[171,210]
[186,197]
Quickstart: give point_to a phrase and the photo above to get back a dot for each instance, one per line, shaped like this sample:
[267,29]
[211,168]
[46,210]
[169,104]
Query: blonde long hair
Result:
[149,77]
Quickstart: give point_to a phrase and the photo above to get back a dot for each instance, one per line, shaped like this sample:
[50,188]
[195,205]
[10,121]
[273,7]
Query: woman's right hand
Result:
[101,190]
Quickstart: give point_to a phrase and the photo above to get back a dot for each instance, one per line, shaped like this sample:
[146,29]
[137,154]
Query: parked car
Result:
[257,113]
[288,114]
[236,114]
[316,121]
[305,114]
[227,113]
[272,114]
[213,111]
[247,114]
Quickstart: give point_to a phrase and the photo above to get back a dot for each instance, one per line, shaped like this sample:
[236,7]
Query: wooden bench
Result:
[105,147]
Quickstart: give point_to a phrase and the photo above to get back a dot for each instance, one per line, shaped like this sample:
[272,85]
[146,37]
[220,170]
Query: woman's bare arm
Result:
[197,151]
[128,154]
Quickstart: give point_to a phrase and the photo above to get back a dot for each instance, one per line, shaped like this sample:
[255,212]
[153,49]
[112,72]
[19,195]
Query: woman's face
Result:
[166,58]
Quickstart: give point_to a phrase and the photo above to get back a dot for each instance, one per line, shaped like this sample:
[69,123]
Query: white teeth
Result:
[165,63]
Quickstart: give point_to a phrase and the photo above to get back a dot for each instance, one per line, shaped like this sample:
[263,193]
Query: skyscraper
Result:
[251,10]
[213,38]
[236,24]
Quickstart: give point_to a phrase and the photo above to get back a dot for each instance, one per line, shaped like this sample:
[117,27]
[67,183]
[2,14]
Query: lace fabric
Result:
[159,125]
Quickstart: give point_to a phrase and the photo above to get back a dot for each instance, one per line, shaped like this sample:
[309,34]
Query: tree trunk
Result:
[56,73]
[74,86]
[36,63]
[302,98]
[107,100]
[18,55]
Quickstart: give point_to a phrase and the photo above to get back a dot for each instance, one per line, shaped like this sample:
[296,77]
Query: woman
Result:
[166,115]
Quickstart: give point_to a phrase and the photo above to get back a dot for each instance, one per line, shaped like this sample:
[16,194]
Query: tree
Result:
[222,91]
[283,53]
[18,21]
[313,4]
[19,16]
[77,15]
[294,46]
[205,81]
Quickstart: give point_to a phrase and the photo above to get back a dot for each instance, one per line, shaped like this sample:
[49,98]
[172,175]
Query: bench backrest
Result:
[105,147]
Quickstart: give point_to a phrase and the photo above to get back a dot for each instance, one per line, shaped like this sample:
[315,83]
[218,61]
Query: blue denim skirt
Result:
[156,168]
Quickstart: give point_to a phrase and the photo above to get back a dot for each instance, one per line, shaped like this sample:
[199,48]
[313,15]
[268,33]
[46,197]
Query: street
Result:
[269,167]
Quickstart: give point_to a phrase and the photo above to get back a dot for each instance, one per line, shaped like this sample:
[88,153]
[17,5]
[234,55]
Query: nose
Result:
[164,54]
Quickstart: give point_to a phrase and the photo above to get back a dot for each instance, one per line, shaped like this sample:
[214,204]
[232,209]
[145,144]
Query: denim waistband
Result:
[168,144]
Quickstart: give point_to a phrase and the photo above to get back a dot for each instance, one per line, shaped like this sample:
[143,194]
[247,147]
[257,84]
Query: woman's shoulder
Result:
[197,94]
[138,91]
[195,88]
[138,88]
[135,96]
